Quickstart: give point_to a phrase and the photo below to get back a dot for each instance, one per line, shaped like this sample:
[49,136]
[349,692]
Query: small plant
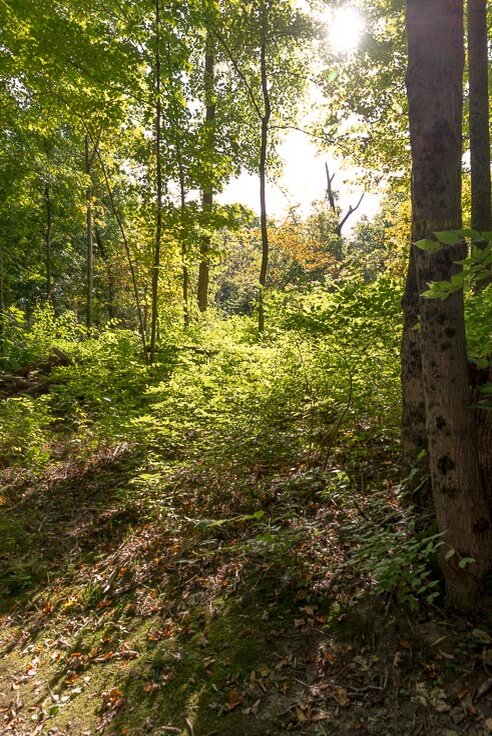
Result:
[399,562]
[23,436]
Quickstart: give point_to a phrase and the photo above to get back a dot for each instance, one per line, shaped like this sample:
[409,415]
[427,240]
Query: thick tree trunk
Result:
[481,215]
[208,197]
[414,436]
[158,216]
[434,86]
[478,67]
[265,121]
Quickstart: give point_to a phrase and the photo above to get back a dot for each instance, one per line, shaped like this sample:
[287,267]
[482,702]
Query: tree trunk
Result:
[478,67]
[158,216]
[434,87]
[140,312]
[208,197]
[89,236]
[109,273]
[414,437]
[47,201]
[184,265]
[265,121]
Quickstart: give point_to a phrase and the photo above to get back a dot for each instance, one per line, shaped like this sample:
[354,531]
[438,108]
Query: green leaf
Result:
[473,234]
[465,561]
[447,237]
[431,246]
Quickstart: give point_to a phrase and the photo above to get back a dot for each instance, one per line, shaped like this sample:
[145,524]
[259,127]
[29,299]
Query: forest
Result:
[245,368]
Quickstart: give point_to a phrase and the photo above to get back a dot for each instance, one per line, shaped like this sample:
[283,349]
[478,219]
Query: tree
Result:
[434,87]
[478,111]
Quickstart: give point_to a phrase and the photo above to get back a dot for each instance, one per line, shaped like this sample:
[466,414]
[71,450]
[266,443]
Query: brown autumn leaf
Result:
[404,644]
[113,698]
[341,696]
[158,634]
[104,657]
[234,699]
[482,636]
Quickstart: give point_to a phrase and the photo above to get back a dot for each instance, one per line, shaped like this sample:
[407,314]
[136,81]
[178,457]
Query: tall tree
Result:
[266,114]
[159,184]
[435,93]
[207,194]
[478,102]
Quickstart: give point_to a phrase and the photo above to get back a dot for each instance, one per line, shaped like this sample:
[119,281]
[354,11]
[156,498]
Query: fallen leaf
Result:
[341,696]
[159,634]
[113,698]
[482,636]
[233,700]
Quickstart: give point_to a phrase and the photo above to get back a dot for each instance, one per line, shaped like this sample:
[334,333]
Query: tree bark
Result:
[414,437]
[47,201]
[434,86]
[158,215]
[478,100]
[89,237]
[265,121]
[184,265]
[207,197]
[131,266]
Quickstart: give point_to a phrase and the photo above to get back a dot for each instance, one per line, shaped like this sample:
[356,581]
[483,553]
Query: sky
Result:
[302,182]
[304,178]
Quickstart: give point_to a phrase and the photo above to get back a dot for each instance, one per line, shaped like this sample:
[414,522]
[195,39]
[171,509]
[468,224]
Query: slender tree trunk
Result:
[158,215]
[265,121]
[434,86]
[89,236]
[104,255]
[2,304]
[131,266]
[47,201]
[478,68]
[207,196]
[184,266]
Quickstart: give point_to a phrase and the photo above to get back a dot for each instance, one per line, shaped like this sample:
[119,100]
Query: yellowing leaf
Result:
[341,696]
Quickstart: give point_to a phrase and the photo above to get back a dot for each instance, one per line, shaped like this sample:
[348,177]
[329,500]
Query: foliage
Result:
[25,432]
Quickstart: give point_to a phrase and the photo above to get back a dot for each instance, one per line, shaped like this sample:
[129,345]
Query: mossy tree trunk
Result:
[435,94]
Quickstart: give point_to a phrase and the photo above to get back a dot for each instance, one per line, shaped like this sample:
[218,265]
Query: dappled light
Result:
[245,368]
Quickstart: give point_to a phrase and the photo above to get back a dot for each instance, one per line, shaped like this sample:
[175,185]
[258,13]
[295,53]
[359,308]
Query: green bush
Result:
[23,431]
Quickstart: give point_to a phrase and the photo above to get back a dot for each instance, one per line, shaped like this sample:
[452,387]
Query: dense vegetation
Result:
[233,500]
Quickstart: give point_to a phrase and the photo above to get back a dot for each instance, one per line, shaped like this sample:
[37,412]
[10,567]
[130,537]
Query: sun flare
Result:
[345,27]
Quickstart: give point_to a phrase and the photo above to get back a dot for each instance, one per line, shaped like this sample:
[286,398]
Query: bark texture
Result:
[89,236]
[434,86]
[414,436]
[481,205]
[265,122]
[207,196]
[158,204]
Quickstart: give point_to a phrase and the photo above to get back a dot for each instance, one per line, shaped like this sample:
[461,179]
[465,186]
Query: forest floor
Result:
[117,621]
[220,544]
